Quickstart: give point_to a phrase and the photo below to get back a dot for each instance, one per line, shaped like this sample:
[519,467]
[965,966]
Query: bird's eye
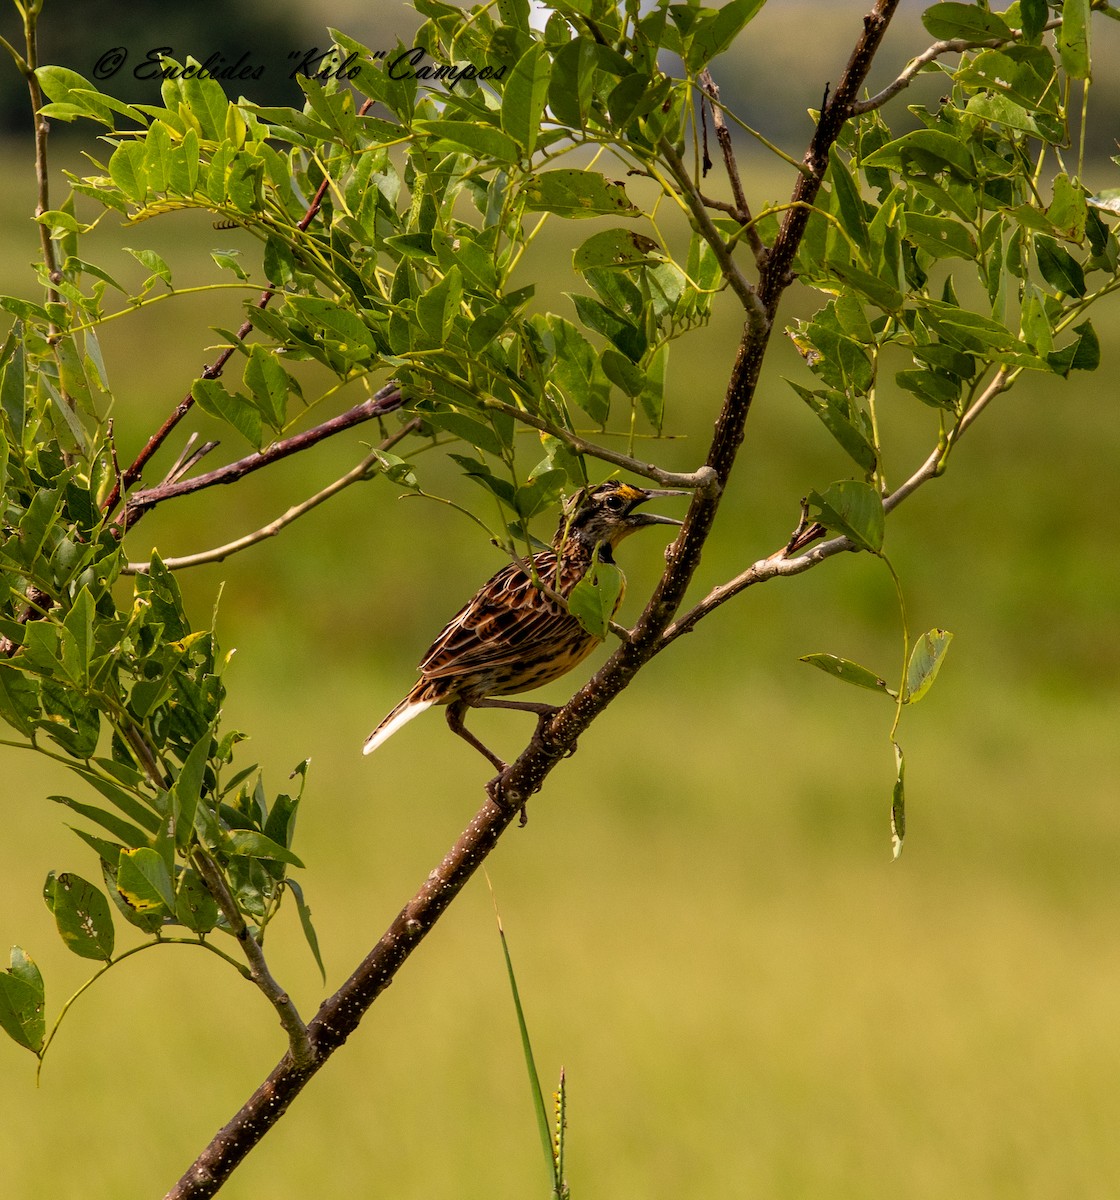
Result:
[615,502]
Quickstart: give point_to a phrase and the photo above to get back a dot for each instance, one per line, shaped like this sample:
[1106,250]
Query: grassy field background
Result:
[749,998]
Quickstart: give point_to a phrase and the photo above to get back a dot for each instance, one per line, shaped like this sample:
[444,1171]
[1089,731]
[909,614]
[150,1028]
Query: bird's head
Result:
[600,517]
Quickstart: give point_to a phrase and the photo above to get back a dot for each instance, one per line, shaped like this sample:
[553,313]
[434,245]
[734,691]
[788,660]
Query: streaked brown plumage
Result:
[513,636]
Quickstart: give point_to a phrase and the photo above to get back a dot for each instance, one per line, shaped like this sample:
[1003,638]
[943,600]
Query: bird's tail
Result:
[411,706]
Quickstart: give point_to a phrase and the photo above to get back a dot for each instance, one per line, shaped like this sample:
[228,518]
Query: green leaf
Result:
[481,141]
[595,598]
[623,373]
[524,97]
[251,844]
[1059,268]
[714,37]
[840,417]
[572,84]
[941,237]
[617,248]
[1073,39]
[13,398]
[77,642]
[931,387]
[882,294]
[925,662]
[127,171]
[571,193]
[194,906]
[1082,355]
[22,1002]
[153,262]
[1000,110]
[82,914]
[235,410]
[144,882]
[206,100]
[1067,211]
[269,384]
[304,910]
[121,829]
[849,672]
[967,21]
[1034,14]
[928,150]
[67,87]
[624,334]
[19,699]
[898,803]
[854,509]
[847,204]
[279,262]
[187,789]
[575,367]
[227,260]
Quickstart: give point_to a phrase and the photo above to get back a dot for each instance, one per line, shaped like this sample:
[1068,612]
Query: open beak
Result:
[638,519]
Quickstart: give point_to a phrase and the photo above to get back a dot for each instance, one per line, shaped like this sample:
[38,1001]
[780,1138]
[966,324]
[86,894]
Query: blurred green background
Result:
[749,998]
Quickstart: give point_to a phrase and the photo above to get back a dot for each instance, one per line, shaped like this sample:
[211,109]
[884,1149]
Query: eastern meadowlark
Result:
[515,634]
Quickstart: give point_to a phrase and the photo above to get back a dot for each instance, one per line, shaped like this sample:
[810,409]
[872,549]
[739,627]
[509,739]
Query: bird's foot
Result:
[496,791]
[544,716]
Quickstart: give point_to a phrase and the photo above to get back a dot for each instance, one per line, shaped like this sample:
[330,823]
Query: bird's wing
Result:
[506,617]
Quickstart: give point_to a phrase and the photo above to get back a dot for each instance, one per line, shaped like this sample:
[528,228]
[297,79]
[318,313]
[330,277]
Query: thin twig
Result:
[780,564]
[741,210]
[298,1039]
[702,478]
[947,46]
[220,553]
[736,280]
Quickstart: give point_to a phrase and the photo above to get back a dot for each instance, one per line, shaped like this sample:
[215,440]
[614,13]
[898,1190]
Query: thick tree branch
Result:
[340,1015]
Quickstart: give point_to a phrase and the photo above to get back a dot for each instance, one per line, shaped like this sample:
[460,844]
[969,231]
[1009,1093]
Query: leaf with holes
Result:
[82,915]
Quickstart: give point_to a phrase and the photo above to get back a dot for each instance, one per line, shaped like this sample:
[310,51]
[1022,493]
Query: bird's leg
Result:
[545,713]
[455,714]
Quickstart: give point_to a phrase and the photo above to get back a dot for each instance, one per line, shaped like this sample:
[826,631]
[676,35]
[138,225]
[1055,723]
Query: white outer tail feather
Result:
[401,715]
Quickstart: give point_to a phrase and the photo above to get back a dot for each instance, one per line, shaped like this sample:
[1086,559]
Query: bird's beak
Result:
[639,519]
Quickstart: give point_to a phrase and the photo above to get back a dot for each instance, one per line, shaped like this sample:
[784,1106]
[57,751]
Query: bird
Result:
[516,633]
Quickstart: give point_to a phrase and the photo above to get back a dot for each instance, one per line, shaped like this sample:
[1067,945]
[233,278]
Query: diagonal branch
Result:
[385,401]
[340,1015]
[220,553]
